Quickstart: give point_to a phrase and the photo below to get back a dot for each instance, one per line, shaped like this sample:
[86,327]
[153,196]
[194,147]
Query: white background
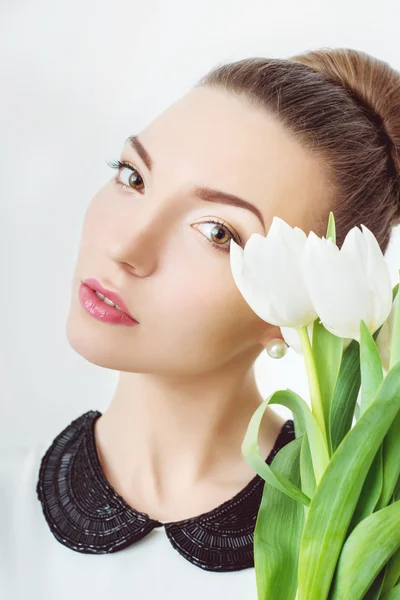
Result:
[76,79]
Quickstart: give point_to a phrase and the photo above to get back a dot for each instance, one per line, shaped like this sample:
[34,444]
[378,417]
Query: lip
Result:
[101,311]
[94,285]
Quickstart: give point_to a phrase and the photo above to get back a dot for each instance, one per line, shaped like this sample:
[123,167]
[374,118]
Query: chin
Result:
[101,344]
[90,341]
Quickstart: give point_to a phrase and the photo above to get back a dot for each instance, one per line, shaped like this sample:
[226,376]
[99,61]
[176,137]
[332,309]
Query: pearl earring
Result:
[276,348]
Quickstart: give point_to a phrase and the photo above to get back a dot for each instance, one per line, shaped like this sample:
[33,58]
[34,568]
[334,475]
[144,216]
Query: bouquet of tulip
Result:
[328,526]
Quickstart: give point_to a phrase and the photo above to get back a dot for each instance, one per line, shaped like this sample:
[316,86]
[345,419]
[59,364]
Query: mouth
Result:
[108,296]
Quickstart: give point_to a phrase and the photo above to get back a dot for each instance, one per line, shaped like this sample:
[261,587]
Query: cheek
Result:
[207,304]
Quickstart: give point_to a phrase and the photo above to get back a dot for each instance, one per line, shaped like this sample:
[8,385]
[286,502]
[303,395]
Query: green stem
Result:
[395,345]
[313,384]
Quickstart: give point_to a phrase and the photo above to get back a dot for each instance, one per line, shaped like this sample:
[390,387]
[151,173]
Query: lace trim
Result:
[87,515]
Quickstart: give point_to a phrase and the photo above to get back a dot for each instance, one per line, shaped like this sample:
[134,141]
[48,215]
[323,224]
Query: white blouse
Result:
[46,520]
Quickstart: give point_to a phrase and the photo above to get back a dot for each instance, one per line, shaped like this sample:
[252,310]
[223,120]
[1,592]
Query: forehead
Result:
[211,138]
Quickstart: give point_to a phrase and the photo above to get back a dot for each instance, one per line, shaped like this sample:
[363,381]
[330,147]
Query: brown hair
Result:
[344,106]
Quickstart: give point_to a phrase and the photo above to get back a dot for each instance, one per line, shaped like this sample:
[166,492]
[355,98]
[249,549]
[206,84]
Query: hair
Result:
[343,106]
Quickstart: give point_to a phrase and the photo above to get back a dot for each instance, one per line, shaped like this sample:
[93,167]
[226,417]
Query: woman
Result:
[153,498]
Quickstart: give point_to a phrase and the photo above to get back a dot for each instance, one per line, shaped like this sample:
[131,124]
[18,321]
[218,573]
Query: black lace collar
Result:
[86,514]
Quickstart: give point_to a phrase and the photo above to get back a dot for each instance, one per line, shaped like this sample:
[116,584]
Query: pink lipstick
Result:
[101,310]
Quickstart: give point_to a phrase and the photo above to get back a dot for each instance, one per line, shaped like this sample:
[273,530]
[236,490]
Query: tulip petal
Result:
[380,281]
[248,282]
[283,277]
[268,274]
[335,283]
[355,252]
[292,338]
[384,339]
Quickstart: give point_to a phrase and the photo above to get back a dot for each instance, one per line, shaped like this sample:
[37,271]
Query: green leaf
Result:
[331,230]
[357,411]
[344,403]
[278,531]
[394,594]
[391,462]
[395,346]
[371,367]
[251,452]
[375,591]
[345,395]
[371,378]
[394,291]
[396,493]
[392,573]
[370,492]
[366,551]
[335,498]
[307,476]
[327,352]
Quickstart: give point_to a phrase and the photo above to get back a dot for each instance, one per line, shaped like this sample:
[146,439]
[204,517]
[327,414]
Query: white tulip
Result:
[292,338]
[384,339]
[349,284]
[268,274]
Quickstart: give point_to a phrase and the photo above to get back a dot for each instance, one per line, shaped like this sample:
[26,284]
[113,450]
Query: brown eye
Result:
[132,177]
[219,232]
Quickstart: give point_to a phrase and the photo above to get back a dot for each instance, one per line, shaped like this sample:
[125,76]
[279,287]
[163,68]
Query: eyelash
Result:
[118,165]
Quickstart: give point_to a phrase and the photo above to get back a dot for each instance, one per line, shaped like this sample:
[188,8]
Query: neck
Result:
[163,435]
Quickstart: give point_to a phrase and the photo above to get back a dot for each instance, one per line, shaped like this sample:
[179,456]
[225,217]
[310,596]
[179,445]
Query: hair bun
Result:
[373,84]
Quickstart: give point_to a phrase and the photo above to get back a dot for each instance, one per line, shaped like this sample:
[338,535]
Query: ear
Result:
[270,332]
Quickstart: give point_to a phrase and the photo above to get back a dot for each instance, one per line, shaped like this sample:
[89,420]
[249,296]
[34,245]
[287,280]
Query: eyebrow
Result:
[202,193]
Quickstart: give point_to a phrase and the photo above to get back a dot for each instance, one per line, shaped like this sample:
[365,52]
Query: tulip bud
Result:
[349,284]
[267,273]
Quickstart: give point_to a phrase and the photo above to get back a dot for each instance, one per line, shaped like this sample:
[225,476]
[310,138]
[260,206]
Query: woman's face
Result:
[147,239]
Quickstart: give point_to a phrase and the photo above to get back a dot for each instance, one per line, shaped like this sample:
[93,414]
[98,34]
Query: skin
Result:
[170,439]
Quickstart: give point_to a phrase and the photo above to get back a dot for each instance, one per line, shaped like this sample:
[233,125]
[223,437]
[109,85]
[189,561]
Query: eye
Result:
[132,177]
[222,243]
